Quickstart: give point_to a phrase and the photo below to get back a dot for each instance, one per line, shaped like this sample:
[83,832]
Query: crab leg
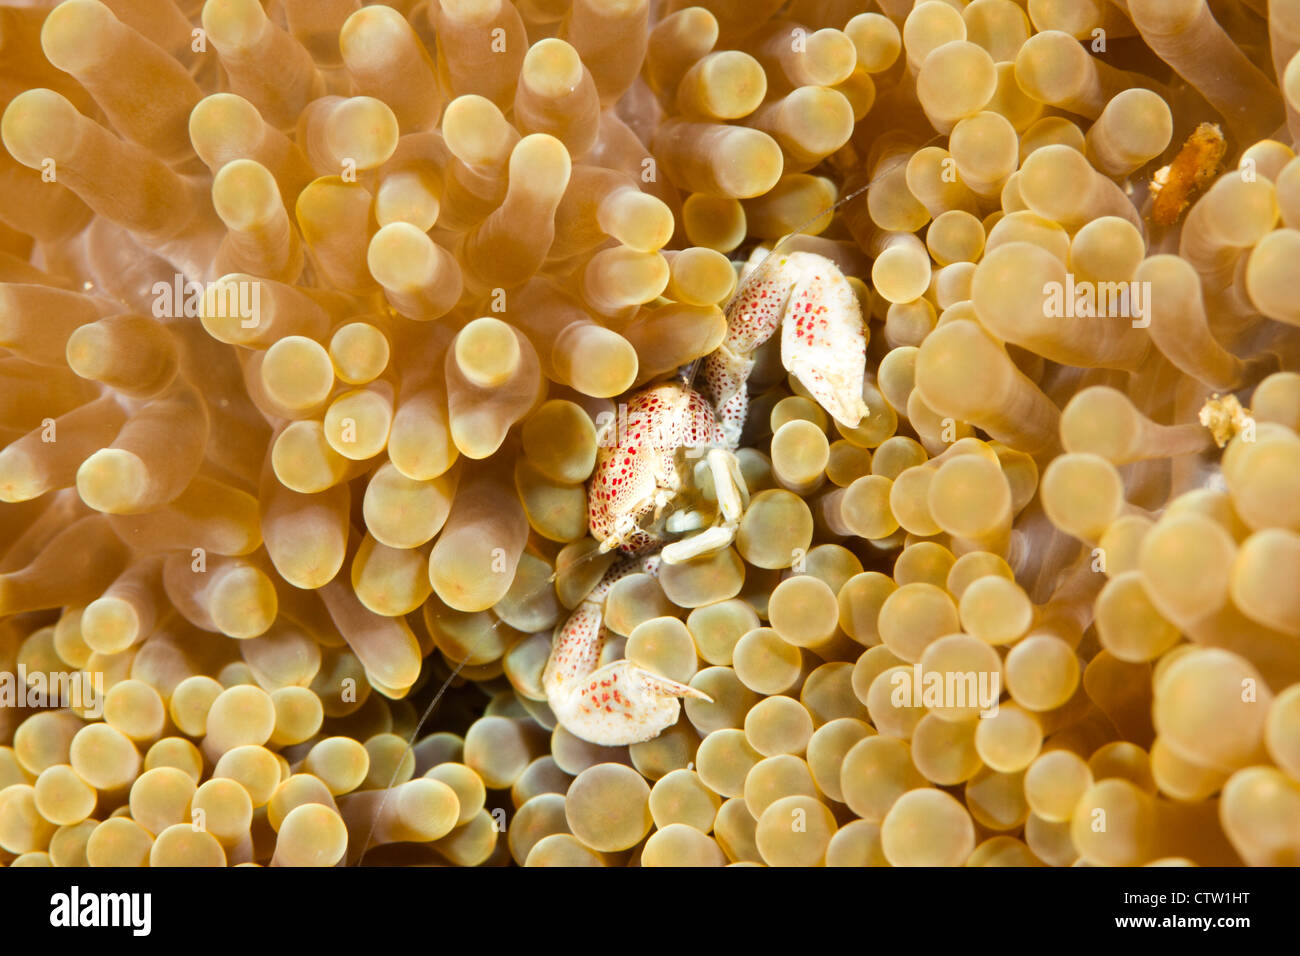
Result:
[727,483]
[822,338]
[619,703]
[732,497]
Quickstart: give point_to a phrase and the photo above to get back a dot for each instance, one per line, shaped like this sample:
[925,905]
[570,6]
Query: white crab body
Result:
[639,464]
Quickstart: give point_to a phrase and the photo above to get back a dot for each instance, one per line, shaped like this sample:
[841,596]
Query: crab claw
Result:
[619,703]
[622,703]
[823,343]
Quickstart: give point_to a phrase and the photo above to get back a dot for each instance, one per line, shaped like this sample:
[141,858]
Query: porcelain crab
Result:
[645,492]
